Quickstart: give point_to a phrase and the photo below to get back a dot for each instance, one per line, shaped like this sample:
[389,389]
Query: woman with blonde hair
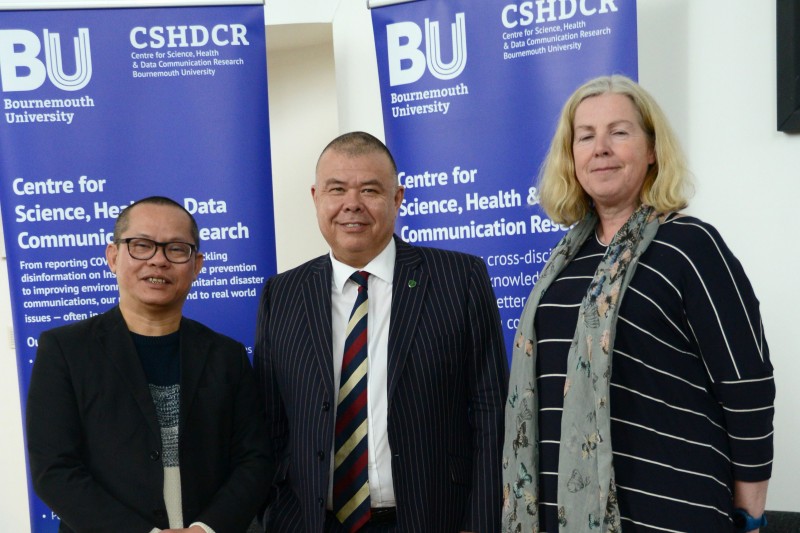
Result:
[676,435]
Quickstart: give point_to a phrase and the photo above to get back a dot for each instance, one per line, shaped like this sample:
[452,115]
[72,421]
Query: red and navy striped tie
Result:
[351,501]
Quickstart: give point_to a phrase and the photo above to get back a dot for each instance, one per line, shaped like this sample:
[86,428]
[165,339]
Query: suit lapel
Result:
[316,301]
[195,345]
[117,343]
[409,287]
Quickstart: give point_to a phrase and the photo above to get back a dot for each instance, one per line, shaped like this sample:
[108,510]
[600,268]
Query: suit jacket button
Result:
[321,502]
[326,406]
[321,455]
[154,455]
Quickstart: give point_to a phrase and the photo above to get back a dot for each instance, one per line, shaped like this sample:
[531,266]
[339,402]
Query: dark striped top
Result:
[691,389]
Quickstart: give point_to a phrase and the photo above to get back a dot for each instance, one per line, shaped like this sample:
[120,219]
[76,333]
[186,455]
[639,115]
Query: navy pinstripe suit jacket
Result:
[447,388]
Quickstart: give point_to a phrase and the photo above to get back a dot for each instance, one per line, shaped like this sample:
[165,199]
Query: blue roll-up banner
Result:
[471,91]
[102,107]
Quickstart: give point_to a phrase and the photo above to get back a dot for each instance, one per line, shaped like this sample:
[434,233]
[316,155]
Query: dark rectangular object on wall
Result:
[788,52]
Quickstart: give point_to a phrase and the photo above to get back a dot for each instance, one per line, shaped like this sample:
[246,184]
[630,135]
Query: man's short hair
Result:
[358,143]
[121,225]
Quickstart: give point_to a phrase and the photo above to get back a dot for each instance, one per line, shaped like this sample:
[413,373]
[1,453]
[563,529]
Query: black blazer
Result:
[95,444]
[447,381]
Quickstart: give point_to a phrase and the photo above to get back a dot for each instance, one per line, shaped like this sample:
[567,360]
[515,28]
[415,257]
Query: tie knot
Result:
[360,277]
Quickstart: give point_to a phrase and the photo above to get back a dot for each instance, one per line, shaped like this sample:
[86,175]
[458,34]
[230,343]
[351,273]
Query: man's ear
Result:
[398,197]
[198,263]
[112,251]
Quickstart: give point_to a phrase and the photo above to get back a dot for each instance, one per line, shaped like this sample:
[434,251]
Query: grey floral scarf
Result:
[587,496]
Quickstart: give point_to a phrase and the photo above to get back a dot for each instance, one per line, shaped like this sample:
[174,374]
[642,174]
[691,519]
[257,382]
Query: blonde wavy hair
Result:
[667,185]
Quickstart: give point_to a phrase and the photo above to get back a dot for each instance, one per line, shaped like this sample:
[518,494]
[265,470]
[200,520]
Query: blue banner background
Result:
[198,138]
[519,67]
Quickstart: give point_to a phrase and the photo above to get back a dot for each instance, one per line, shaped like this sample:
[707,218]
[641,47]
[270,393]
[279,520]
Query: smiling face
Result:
[153,288]
[357,199]
[611,151]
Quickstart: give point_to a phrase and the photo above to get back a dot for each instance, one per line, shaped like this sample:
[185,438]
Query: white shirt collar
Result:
[381,266]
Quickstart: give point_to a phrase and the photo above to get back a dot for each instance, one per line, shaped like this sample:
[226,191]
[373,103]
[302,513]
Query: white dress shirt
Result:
[343,297]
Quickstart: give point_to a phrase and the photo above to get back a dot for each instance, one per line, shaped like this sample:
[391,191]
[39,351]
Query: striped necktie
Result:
[351,501]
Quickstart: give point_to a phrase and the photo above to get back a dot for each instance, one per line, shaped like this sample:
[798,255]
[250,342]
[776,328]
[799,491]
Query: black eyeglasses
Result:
[144,249]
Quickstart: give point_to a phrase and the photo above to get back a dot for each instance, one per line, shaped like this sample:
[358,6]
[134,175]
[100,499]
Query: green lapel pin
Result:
[412,283]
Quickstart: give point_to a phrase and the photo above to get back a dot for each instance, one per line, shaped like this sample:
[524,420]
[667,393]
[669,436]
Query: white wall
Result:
[712,67]
[303,119]
[710,64]
[13,480]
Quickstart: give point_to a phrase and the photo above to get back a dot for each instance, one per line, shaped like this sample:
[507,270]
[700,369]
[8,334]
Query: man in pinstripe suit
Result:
[437,369]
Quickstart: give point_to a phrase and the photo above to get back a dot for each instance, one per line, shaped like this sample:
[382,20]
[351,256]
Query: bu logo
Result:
[21,70]
[407,62]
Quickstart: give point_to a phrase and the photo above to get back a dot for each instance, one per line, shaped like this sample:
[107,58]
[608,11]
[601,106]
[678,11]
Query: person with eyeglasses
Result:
[140,419]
